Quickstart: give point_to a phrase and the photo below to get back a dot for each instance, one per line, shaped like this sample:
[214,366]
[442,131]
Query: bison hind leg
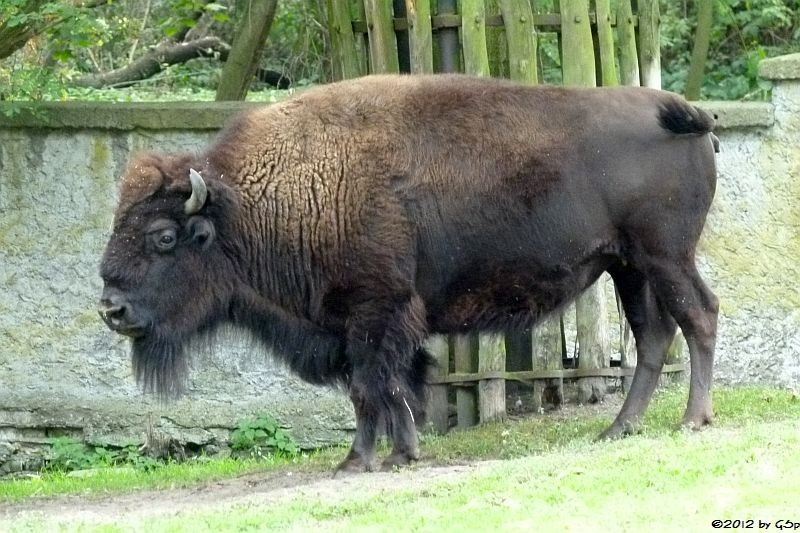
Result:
[653,328]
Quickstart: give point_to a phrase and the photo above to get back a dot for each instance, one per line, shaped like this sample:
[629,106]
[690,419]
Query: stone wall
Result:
[63,373]
[750,251]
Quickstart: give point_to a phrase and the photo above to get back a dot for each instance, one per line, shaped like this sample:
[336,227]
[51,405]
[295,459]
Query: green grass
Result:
[173,475]
[732,406]
[667,483]
[555,476]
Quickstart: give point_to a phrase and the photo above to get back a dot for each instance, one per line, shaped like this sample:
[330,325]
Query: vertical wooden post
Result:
[605,43]
[546,353]
[382,42]
[465,356]
[577,60]
[492,391]
[649,49]
[521,37]
[675,355]
[578,67]
[344,57]
[420,36]
[438,414]
[473,37]
[362,40]
[496,44]
[626,42]
[592,323]
[448,39]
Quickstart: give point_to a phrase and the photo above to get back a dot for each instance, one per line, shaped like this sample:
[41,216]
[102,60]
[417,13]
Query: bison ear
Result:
[201,230]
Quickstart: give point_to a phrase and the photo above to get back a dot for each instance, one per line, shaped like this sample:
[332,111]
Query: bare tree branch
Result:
[170,53]
[166,53]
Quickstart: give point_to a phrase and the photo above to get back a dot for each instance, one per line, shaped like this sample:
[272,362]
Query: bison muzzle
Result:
[345,225]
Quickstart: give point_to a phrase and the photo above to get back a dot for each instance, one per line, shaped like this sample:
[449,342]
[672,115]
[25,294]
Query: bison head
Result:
[167,276]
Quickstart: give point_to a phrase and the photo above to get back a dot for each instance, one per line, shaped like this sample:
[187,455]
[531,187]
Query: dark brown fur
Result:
[350,222]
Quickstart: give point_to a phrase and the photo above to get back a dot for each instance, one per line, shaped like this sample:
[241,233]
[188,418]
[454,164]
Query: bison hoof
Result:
[353,465]
[397,460]
[697,422]
[618,430]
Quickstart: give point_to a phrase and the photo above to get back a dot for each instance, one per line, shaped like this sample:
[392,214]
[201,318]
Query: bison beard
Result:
[345,225]
[159,365]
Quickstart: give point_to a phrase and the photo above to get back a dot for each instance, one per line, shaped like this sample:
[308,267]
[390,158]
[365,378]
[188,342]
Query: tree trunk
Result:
[702,37]
[252,28]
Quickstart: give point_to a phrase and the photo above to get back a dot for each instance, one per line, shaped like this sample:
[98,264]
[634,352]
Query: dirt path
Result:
[262,489]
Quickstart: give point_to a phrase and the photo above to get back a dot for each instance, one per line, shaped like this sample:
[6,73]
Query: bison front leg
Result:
[408,411]
[361,457]
[388,382]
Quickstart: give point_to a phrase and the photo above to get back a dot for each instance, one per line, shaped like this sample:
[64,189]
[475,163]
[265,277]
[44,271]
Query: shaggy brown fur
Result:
[346,224]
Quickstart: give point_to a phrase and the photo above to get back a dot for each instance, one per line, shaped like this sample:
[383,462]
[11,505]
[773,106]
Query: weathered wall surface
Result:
[750,250]
[63,372]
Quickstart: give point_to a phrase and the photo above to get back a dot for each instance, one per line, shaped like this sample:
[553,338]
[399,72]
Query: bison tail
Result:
[680,117]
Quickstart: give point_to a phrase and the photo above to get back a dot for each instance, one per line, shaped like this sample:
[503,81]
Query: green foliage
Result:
[32,83]
[67,25]
[67,454]
[262,434]
[743,33]
[181,14]
[296,45]
[69,41]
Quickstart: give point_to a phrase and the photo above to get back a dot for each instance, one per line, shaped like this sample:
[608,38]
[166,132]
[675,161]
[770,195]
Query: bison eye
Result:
[165,240]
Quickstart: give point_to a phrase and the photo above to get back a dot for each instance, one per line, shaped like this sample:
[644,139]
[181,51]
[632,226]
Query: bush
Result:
[67,454]
[743,33]
[262,434]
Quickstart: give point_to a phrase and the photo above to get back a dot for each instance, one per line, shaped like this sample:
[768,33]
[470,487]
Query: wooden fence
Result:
[575,44]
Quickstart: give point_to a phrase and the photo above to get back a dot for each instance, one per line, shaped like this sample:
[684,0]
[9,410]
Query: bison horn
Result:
[199,193]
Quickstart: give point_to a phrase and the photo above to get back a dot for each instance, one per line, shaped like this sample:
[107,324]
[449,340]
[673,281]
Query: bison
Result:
[345,225]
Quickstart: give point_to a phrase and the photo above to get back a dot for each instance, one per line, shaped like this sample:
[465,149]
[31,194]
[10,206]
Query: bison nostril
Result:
[112,315]
[116,311]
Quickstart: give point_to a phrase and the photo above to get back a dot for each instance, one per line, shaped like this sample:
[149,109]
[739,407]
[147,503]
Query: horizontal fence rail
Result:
[567,373]
[550,22]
